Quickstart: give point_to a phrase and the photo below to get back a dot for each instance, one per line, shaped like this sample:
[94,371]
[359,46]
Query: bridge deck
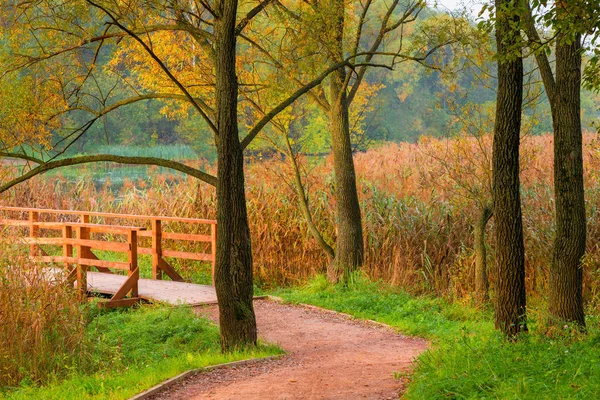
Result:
[155,290]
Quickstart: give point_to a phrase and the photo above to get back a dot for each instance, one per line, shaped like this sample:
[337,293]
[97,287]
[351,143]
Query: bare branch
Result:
[540,55]
[287,102]
[254,12]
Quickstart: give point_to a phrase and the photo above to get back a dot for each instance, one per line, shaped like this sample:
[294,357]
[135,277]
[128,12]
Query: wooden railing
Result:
[83,244]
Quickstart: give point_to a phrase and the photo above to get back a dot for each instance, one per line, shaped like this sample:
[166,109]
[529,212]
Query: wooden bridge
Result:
[74,234]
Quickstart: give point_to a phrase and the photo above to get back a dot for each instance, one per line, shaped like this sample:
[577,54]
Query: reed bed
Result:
[417,218]
[42,324]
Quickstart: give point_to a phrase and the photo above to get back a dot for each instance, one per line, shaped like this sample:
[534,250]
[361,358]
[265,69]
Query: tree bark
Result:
[349,254]
[565,303]
[510,302]
[481,277]
[233,272]
[566,272]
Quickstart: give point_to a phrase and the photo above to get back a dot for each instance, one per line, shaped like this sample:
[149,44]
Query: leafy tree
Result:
[510,301]
[568,20]
[63,42]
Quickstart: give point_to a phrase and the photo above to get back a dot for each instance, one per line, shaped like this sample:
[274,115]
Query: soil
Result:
[329,356]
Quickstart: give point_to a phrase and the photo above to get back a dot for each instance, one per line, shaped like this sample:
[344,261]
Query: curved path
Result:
[330,356]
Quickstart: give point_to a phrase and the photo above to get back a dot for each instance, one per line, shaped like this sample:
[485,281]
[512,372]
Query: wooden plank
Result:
[111,215]
[94,244]
[84,261]
[119,303]
[156,250]
[130,284]
[118,229]
[68,251]
[92,256]
[14,222]
[33,231]
[166,267]
[122,230]
[102,263]
[186,236]
[187,256]
[133,262]
[164,291]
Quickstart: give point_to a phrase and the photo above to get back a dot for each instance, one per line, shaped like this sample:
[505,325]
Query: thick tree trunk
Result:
[481,277]
[233,272]
[510,301]
[566,273]
[349,254]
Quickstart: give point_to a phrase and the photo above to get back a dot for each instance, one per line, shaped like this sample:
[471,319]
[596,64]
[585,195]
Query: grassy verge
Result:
[136,349]
[468,359]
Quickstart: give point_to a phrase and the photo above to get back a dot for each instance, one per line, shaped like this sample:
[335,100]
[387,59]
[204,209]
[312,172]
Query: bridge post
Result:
[83,233]
[133,261]
[213,249]
[67,233]
[33,232]
[157,272]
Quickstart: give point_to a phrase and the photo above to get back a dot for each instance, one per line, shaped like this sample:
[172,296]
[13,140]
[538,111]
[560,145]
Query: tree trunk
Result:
[481,276]
[565,302]
[303,203]
[233,272]
[510,302]
[566,272]
[349,254]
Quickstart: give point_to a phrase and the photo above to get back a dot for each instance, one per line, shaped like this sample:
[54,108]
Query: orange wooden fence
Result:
[40,221]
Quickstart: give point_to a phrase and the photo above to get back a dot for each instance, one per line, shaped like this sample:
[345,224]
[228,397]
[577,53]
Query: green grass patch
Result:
[169,152]
[135,349]
[468,358]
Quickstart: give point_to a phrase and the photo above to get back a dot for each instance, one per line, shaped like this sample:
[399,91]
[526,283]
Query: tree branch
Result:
[407,16]
[255,11]
[540,56]
[287,102]
[48,166]
[161,64]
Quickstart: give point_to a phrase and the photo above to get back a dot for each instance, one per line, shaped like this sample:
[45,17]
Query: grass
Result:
[468,359]
[136,349]
[170,152]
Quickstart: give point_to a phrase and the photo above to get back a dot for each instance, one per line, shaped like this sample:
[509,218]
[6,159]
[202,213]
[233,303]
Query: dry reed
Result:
[42,324]
[418,230]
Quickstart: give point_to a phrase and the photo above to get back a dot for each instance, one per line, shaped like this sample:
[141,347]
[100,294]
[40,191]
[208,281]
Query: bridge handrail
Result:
[111,215]
[159,265]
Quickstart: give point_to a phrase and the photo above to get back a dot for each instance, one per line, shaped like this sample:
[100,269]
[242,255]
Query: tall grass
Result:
[418,233]
[42,324]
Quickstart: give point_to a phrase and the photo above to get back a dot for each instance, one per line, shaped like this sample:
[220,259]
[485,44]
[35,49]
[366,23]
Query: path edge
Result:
[327,310]
[178,378]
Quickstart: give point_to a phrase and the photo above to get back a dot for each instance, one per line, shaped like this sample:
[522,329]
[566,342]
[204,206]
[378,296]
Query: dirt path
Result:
[330,357]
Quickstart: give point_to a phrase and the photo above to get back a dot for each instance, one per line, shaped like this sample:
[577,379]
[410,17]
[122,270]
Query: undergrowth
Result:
[131,350]
[467,358]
